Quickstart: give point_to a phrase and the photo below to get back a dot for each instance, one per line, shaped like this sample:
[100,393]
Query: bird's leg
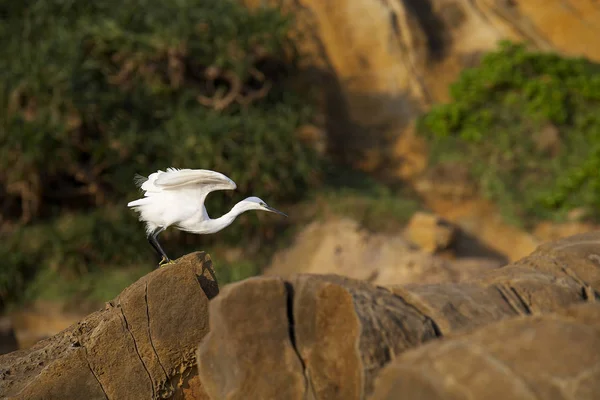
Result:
[153,239]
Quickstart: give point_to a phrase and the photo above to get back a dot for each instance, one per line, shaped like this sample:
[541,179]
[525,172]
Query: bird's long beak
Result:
[275,211]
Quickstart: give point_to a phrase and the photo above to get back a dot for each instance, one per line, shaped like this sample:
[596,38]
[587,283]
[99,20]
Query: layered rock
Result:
[549,356]
[527,330]
[140,346]
[382,62]
[328,337]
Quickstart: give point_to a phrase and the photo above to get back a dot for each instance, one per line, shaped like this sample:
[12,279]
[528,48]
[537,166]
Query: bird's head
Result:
[255,203]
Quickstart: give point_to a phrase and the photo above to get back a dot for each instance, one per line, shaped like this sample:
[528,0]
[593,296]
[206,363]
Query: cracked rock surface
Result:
[547,356]
[328,337]
[140,346]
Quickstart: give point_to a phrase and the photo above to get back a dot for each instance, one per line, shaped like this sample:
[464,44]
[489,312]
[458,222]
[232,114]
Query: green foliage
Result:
[93,92]
[527,124]
[236,271]
[384,210]
[95,287]
[376,206]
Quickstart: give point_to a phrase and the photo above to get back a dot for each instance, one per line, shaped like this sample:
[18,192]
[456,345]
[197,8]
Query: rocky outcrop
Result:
[430,232]
[527,330]
[378,64]
[382,62]
[328,337]
[140,346]
[550,356]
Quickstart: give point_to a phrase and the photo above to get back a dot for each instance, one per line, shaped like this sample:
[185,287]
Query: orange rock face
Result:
[386,61]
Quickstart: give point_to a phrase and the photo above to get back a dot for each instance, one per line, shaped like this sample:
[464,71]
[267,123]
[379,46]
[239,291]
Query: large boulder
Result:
[328,337]
[140,346]
[548,356]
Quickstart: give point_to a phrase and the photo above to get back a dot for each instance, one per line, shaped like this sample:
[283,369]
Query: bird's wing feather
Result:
[180,178]
[139,180]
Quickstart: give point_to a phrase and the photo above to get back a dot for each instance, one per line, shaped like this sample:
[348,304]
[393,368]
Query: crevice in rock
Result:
[309,389]
[435,326]
[428,319]
[390,321]
[137,351]
[518,305]
[521,300]
[588,293]
[433,27]
[171,389]
[407,59]
[93,373]
[289,289]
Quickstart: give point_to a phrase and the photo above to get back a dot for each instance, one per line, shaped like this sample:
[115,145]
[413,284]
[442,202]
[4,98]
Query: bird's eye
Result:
[263,204]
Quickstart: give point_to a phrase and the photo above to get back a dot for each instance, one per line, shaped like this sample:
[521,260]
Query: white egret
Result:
[176,198]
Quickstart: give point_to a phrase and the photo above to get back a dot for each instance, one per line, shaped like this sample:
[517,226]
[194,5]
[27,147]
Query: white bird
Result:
[176,198]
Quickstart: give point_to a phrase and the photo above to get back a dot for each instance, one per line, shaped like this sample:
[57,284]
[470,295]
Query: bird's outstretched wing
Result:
[180,178]
[195,184]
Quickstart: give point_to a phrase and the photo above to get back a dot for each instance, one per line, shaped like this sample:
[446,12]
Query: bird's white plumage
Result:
[175,178]
[176,198]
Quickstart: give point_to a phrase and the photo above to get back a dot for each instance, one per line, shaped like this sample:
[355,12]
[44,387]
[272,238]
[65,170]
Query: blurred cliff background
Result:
[408,140]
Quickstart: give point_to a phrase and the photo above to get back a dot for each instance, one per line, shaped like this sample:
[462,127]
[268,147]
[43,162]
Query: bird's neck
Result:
[215,225]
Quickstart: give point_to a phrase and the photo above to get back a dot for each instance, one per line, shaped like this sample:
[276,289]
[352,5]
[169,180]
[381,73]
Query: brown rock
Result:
[430,232]
[248,351]
[379,64]
[313,336]
[141,346]
[555,275]
[342,247]
[550,356]
[327,337]
[384,62]
[480,218]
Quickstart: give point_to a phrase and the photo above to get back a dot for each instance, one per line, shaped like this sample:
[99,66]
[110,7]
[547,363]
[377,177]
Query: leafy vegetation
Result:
[527,123]
[93,92]
[374,205]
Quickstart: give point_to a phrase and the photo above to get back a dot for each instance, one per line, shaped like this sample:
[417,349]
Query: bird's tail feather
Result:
[137,203]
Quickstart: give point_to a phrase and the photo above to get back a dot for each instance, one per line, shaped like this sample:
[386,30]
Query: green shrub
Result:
[92,93]
[376,206]
[527,124]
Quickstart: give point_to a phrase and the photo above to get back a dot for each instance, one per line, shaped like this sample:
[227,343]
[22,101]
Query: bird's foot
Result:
[165,261]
